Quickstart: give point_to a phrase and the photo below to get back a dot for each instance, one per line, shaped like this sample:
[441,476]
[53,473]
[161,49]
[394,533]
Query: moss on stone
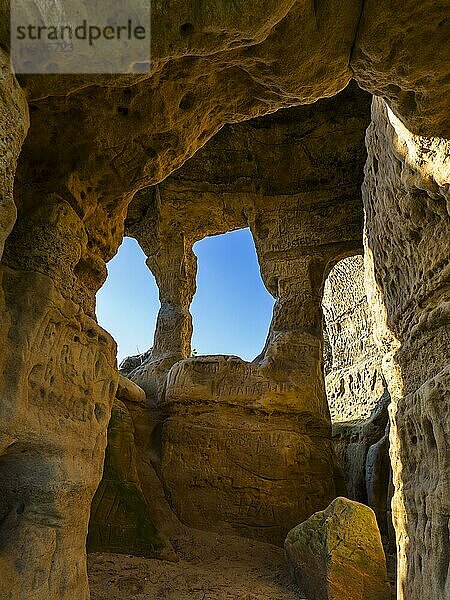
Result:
[120,520]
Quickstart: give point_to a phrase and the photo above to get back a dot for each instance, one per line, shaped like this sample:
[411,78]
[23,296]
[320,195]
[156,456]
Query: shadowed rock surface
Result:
[120,520]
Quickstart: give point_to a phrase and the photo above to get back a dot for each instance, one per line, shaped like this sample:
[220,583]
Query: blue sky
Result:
[231,309]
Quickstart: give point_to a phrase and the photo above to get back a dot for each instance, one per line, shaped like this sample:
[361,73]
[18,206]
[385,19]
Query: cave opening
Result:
[357,392]
[128,302]
[320,131]
[232,308]
[352,361]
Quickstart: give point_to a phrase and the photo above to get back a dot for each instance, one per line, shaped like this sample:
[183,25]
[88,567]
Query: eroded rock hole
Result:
[127,303]
[231,309]
[187,29]
[357,393]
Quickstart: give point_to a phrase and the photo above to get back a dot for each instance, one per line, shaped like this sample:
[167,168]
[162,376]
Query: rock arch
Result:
[55,411]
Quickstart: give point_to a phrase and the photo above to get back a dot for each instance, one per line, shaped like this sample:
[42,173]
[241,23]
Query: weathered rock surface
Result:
[302,218]
[357,391]
[95,141]
[421,430]
[406,198]
[120,520]
[354,377]
[362,450]
[379,488]
[13,128]
[128,391]
[241,453]
[403,56]
[203,76]
[58,384]
[337,554]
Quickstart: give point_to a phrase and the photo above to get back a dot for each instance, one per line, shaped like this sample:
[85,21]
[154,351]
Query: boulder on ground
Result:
[337,554]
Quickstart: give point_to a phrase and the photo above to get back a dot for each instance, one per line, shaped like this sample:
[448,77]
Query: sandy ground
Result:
[211,567]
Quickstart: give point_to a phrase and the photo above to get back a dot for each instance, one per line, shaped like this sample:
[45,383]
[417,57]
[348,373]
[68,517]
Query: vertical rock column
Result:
[294,344]
[175,269]
[59,381]
[174,265]
[297,241]
[407,235]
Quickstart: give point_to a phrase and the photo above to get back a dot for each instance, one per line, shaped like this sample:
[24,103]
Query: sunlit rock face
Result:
[96,141]
[362,451]
[406,203]
[57,390]
[240,452]
[357,391]
[59,382]
[354,378]
[300,196]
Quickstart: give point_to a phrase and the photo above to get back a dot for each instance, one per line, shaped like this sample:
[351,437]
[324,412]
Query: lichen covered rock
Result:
[120,520]
[337,554]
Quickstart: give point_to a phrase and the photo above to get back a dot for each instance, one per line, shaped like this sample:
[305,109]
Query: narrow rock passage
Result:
[211,567]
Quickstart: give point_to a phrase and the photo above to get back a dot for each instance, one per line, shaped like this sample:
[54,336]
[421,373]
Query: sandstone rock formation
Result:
[357,392]
[379,488]
[13,128]
[406,195]
[120,520]
[240,452]
[95,141]
[362,450]
[395,56]
[302,219]
[322,152]
[354,378]
[337,554]
[59,382]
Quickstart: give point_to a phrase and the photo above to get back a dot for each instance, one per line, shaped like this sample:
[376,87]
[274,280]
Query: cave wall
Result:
[354,376]
[407,228]
[121,134]
[59,380]
[14,122]
[303,207]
